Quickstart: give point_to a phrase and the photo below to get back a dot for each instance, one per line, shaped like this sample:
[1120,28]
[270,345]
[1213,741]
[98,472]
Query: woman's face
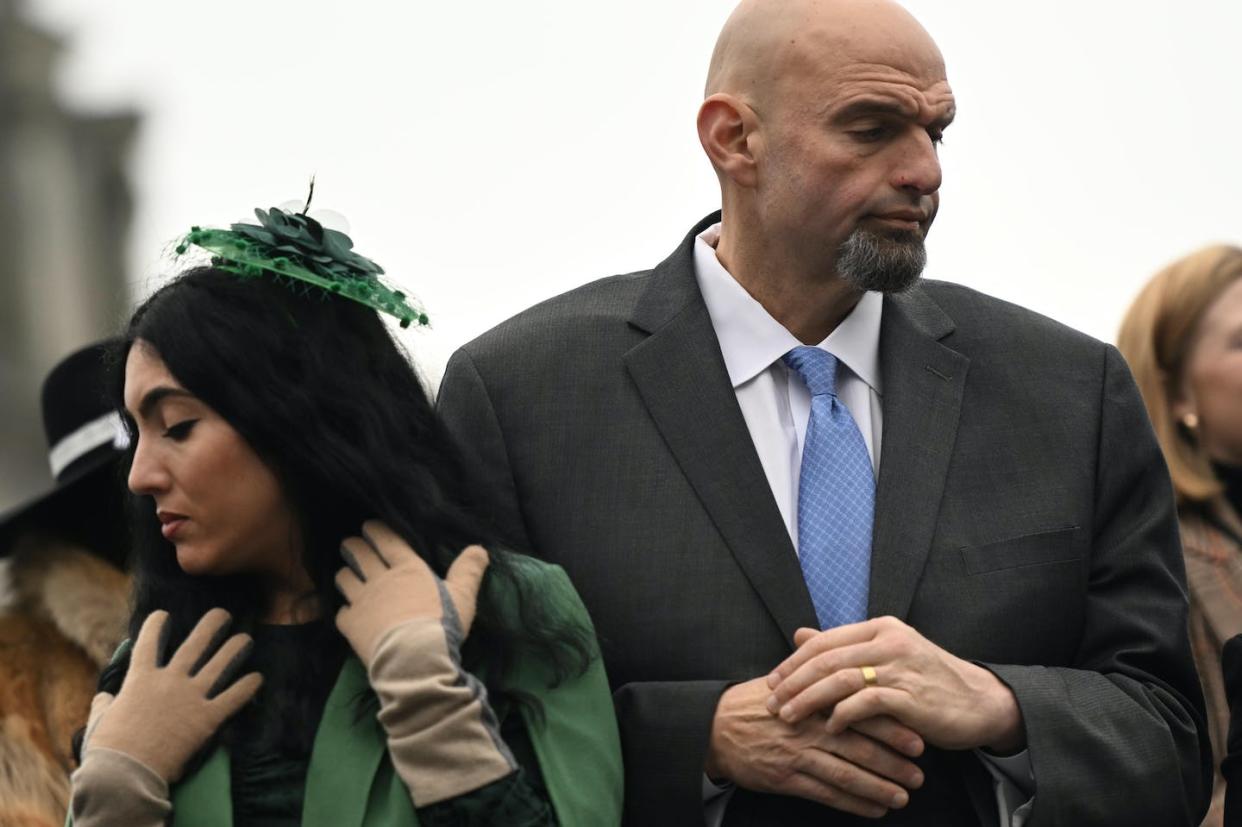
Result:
[1212,379]
[217,502]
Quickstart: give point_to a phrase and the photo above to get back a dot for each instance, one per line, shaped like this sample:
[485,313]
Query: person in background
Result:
[62,592]
[1183,339]
[298,515]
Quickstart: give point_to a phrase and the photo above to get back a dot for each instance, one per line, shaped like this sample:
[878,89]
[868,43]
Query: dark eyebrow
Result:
[154,396]
[946,120]
[868,107]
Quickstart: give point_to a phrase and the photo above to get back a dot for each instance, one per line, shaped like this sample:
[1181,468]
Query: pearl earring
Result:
[1191,421]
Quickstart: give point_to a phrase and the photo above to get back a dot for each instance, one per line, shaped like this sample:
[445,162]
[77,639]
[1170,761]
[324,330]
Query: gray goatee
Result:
[885,263]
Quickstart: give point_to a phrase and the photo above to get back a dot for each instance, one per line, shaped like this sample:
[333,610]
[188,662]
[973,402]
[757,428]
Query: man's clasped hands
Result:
[841,719]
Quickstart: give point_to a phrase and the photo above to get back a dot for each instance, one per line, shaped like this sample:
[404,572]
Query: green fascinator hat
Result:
[297,249]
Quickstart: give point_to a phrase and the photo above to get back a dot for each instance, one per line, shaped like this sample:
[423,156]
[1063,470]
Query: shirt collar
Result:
[751,340]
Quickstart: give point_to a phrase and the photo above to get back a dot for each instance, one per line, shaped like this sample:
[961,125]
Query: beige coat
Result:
[1214,575]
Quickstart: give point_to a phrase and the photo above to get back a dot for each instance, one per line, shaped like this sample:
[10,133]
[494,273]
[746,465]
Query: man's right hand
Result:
[865,770]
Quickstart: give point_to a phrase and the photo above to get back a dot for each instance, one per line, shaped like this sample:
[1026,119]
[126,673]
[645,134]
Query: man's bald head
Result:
[822,119]
[766,40]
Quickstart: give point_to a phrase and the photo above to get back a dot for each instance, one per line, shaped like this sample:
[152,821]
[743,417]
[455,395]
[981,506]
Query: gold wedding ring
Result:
[868,673]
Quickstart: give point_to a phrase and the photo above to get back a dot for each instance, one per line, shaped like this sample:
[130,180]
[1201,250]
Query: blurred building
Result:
[65,207]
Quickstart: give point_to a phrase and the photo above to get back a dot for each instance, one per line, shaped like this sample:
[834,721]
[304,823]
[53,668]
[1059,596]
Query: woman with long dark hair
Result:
[291,485]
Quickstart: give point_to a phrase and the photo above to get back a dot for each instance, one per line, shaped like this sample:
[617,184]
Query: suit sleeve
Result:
[465,411]
[664,726]
[1122,738]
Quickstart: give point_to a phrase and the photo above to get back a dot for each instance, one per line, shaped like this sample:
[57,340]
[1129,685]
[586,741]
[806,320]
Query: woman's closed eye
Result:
[181,430]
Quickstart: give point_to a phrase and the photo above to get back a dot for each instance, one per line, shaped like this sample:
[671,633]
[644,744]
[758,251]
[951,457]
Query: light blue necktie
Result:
[836,497]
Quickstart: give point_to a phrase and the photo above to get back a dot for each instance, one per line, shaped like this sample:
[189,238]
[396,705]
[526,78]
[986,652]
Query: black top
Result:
[1231,477]
[270,747]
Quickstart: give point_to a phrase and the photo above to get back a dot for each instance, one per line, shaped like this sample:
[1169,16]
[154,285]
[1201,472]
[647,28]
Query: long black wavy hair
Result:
[327,398]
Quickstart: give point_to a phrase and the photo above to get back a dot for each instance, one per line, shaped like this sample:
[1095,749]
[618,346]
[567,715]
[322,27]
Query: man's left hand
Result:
[952,703]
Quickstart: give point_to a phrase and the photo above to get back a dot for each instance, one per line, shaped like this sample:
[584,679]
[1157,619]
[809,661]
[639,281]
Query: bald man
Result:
[856,545]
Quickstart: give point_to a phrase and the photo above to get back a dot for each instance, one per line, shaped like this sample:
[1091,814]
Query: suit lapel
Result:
[681,376]
[204,799]
[345,756]
[923,385]
[344,759]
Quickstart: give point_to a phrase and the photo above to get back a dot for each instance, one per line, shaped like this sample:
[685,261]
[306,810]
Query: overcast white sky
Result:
[491,154]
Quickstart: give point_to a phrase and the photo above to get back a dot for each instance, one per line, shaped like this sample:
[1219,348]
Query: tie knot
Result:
[818,369]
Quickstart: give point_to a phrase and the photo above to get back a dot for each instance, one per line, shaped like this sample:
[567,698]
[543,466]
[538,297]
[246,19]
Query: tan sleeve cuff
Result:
[442,734]
[111,789]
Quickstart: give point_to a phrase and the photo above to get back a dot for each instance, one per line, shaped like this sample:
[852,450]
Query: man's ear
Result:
[727,131]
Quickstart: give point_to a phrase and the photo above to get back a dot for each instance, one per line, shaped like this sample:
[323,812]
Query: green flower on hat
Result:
[295,246]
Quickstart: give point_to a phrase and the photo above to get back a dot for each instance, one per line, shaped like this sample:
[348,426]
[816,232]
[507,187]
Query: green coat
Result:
[351,783]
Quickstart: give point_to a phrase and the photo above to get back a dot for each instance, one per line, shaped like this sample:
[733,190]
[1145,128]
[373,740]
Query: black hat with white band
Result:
[85,438]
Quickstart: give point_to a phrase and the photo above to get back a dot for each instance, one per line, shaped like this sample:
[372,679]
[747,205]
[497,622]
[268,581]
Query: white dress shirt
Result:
[776,405]
[776,409]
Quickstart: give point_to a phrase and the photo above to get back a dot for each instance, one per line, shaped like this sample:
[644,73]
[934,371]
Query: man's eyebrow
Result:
[867,107]
[154,396]
[884,107]
[945,120]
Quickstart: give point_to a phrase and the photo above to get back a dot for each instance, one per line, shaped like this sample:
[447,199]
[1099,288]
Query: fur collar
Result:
[82,595]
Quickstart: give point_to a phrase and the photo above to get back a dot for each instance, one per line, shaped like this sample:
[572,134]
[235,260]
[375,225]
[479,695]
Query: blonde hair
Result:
[1156,336]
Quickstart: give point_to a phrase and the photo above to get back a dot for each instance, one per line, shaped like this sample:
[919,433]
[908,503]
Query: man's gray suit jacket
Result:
[1024,520]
